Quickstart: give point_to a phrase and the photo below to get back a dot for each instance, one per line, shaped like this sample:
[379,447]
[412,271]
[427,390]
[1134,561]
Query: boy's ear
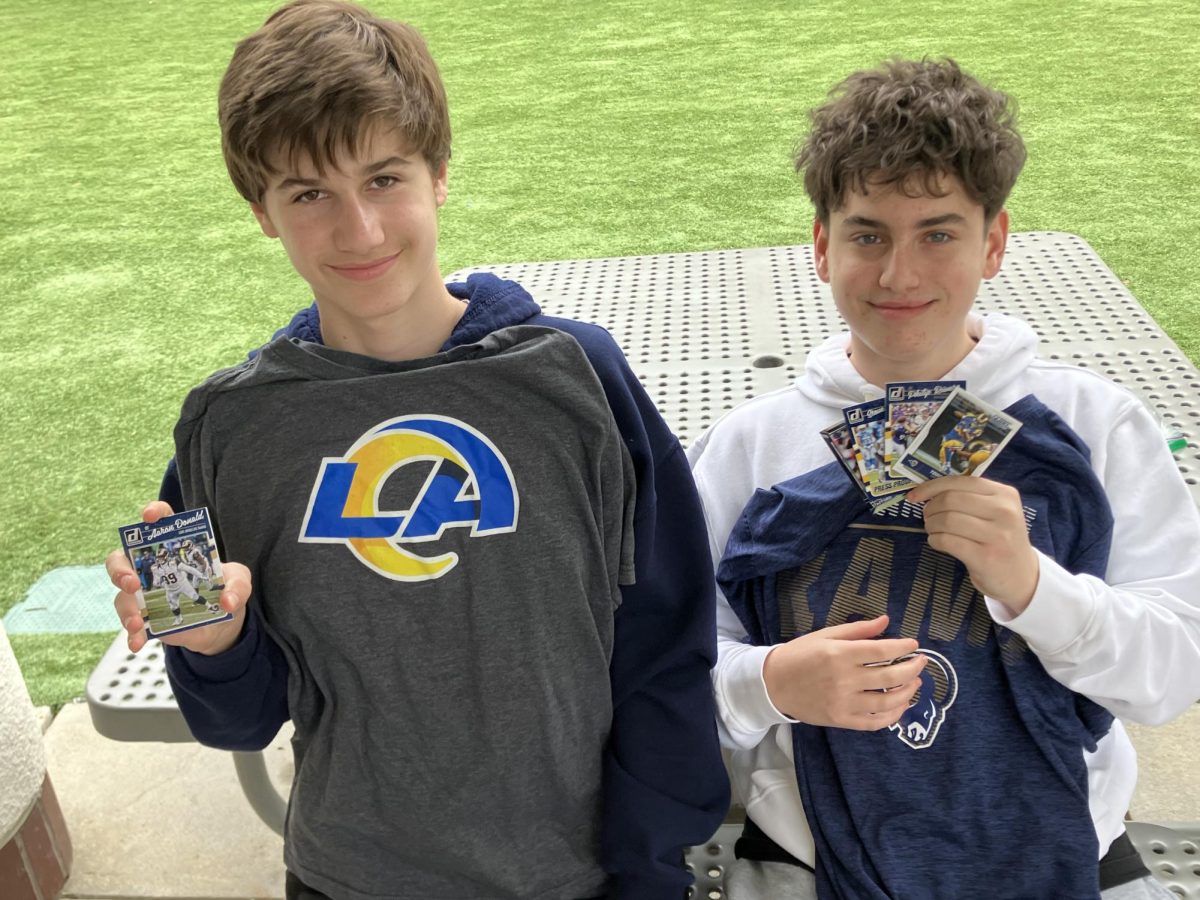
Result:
[264,221]
[995,241]
[821,249]
[441,186]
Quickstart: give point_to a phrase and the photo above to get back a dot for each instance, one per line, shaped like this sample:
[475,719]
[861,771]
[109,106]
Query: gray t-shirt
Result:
[436,545]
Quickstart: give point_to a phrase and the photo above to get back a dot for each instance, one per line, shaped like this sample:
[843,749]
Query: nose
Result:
[900,273]
[359,227]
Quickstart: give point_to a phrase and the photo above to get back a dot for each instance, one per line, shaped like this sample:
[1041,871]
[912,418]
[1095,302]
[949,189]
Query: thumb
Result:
[155,510]
[861,630]
[237,585]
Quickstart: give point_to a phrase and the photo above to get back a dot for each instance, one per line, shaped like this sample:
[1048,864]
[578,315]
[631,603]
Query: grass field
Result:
[131,269]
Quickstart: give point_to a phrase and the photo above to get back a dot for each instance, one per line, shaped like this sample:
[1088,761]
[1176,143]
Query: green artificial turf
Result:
[56,666]
[130,269]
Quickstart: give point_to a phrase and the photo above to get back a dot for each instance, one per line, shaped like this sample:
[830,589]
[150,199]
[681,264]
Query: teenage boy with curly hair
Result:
[1044,602]
[467,559]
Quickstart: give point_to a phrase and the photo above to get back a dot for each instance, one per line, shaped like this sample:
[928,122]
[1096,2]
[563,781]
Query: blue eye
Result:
[940,237]
[867,240]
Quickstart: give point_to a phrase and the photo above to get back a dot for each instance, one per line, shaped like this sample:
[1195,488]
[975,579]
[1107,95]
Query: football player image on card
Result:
[197,561]
[865,421]
[909,406]
[962,438]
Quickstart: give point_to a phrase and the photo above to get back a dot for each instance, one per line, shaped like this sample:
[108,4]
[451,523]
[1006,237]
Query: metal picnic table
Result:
[706,330]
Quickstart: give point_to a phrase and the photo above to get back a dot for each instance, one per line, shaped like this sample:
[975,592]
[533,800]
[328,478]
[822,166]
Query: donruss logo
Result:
[919,726]
[469,484]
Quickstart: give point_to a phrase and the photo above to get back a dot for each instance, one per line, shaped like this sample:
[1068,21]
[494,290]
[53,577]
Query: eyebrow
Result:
[947,219]
[373,169]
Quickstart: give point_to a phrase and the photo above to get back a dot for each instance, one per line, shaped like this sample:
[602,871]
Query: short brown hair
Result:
[312,81]
[904,125]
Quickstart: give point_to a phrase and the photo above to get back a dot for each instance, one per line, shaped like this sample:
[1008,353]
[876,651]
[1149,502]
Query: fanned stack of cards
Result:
[918,430]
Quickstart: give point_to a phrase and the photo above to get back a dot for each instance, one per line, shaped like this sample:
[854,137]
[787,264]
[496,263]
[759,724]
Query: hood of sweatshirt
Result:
[492,303]
[1003,350]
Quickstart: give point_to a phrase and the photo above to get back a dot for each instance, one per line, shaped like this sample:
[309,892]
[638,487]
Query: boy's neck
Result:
[883,372]
[418,329]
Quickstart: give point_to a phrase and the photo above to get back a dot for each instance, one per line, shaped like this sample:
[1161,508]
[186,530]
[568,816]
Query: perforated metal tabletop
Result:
[705,331]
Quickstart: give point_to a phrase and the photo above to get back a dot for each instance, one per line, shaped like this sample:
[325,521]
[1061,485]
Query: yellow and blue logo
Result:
[469,484]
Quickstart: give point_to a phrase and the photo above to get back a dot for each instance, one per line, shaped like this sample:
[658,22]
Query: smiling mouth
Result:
[366,271]
[901,310]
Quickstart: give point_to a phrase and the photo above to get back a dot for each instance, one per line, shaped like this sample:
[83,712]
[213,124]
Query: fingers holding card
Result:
[180,573]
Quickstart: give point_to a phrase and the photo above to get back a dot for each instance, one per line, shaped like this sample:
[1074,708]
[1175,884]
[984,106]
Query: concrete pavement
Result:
[155,820]
[169,821]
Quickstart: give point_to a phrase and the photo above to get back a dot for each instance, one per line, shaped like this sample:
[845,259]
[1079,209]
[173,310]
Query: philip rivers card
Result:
[910,404]
[962,438]
[177,563]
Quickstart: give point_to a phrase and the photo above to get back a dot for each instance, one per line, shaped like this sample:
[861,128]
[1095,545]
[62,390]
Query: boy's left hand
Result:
[981,523]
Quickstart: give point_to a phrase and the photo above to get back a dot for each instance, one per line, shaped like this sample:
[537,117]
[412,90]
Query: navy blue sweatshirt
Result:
[664,783]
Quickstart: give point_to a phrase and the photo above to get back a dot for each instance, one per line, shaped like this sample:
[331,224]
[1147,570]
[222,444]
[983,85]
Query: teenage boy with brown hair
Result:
[1042,601]
[466,556]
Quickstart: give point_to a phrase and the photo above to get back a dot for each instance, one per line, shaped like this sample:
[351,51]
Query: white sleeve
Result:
[744,711]
[1131,642]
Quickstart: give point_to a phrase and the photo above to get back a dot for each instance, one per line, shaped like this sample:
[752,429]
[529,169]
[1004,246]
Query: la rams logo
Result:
[919,725]
[468,485]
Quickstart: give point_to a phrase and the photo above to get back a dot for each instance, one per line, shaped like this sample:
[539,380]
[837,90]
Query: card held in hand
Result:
[176,561]
[963,437]
[910,404]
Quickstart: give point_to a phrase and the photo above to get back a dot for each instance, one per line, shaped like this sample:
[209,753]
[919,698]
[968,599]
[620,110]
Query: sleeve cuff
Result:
[230,665]
[743,696]
[1057,615]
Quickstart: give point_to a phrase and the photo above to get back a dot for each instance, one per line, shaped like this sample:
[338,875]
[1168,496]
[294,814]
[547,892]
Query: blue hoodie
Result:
[664,783]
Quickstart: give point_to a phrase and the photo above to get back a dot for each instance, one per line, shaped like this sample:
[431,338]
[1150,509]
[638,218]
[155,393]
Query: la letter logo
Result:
[344,505]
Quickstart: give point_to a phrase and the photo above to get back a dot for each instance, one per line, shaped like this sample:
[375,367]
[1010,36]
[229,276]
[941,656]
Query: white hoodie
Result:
[1131,642]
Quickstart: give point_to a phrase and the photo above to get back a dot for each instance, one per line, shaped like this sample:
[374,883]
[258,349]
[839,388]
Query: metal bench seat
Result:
[707,330]
[1172,854]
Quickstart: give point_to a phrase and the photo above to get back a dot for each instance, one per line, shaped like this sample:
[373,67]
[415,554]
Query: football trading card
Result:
[176,560]
[909,406]
[961,438]
[887,484]
[837,437]
[866,427]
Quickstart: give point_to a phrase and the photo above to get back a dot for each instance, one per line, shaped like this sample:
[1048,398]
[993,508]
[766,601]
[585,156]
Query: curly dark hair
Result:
[907,124]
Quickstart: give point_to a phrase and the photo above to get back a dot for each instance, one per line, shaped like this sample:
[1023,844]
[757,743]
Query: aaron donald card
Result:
[961,438]
[177,563]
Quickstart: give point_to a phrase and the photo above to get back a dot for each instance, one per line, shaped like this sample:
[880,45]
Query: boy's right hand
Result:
[209,640]
[824,677]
